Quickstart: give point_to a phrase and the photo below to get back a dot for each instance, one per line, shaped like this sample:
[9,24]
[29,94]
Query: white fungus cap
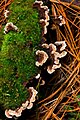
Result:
[32,99]
[60,55]
[24,105]
[37,76]
[7,114]
[45,26]
[42,82]
[45,30]
[42,20]
[11,112]
[33,90]
[44,45]
[20,109]
[30,106]
[63,43]
[15,113]
[45,8]
[6,29]
[6,13]
[39,2]
[47,16]
[52,48]
[56,60]
[43,56]
[63,54]
[52,69]
[18,114]
[47,23]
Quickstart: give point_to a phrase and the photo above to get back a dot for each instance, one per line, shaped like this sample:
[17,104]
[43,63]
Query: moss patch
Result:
[17,55]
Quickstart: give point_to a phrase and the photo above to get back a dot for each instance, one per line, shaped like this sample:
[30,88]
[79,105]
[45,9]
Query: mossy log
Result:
[17,54]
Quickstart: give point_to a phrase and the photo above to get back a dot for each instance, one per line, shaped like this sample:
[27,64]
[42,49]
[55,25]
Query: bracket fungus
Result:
[52,48]
[51,69]
[52,54]
[42,57]
[44,15]
[62,43]
[10,26]
[7,114]
[27,105]
[42,82]
[45,45]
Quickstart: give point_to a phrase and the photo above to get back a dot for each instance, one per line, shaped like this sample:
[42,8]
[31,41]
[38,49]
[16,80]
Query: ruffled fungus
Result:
[56,58]
[27,105]
[42,82]
[38,4]
[51,69]
[10,26]
[7,114]
[32,99]
[44,15]
[60,55]
[30,105]
[52,48]
[11,112]
[45,45]
[42,57]
[24,105]
[62,43]
[54,55]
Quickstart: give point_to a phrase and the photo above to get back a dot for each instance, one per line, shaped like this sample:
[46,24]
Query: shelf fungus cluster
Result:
[53,53]
[27,105]
[10,26]
[44,15]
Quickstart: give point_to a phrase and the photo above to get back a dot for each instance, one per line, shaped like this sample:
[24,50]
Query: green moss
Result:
[17,55]
[12,93]
[1,37]
[26,19]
